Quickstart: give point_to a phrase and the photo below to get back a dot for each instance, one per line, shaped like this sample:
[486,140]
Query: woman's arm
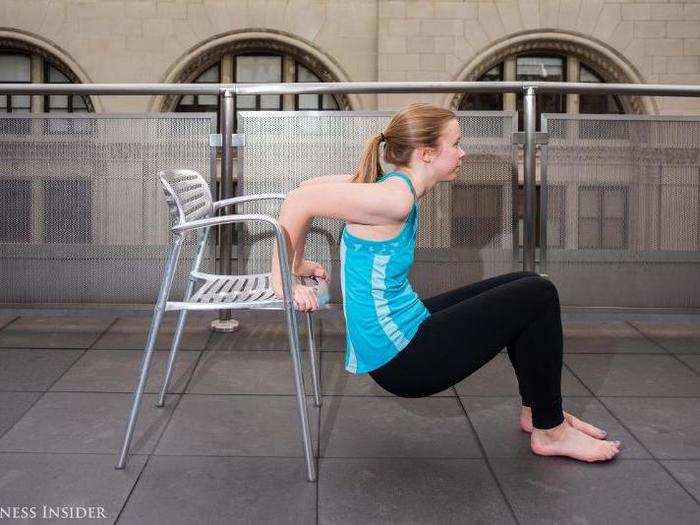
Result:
[386,203]
[327,179]
[298,258]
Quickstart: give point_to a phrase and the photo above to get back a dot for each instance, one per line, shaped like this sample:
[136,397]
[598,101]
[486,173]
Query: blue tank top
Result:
[382,312]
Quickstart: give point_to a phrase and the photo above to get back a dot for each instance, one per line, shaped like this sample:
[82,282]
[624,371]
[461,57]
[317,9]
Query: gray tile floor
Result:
[226,447]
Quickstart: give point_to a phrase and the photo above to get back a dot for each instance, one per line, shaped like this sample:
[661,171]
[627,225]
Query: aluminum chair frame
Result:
[189,199]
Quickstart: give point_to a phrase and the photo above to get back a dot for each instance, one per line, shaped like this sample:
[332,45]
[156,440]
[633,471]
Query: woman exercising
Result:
[413,347]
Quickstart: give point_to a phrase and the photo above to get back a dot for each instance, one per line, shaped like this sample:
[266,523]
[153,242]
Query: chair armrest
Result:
[226,219]
[247,198]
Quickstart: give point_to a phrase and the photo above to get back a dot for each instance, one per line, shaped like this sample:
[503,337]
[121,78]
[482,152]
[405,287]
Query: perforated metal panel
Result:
[467,229]
[621,207]
[83,217]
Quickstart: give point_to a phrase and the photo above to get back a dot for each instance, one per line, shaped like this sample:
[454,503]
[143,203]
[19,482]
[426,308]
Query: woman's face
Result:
[449,154]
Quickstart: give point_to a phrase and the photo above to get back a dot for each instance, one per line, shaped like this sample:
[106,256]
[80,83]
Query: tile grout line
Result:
[641,443]
[133,486]
[8,323]
[665,349]
[487,461]
[48,388]
[179,398]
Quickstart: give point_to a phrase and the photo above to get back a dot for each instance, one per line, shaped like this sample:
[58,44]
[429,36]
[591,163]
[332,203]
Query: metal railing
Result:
[528,137]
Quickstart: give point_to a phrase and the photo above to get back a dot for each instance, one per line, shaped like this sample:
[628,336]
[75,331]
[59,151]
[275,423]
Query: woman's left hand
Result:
[310,269]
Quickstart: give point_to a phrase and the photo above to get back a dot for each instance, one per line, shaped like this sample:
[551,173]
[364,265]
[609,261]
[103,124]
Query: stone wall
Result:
[651,41]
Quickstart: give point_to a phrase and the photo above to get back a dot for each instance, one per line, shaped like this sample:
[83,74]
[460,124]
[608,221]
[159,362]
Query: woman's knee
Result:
[545,287]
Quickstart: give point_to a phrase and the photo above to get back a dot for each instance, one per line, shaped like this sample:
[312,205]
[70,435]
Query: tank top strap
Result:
[406,178]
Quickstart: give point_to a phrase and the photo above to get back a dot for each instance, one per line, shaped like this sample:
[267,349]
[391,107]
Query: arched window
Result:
[258,65]
[547,63]
[542,67]
[21,63]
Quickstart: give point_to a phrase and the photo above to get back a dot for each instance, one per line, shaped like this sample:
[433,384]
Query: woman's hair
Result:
[414,126]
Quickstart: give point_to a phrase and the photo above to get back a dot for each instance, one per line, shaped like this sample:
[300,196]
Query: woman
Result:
[415,348]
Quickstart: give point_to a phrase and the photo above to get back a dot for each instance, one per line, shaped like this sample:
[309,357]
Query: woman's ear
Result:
[426,154]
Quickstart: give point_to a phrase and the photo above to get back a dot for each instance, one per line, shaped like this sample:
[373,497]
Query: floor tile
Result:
[335,380]
[85,422]
[660,328]
[32,369]
[119,370]
[676,337]
[691,360]
[668,427]
[567,491]
[497,423]
[497,378]
[376,490]
[73,480]
[687,473]
[634,375]
[248,372]
[13,405]
[396,427]
[130,334]
[222,490]
[259,335]
[237,426]
[597,344]
[332,329]
[614,329]
[53,332]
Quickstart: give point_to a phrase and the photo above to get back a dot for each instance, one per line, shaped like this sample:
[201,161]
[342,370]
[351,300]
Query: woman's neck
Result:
[422,183]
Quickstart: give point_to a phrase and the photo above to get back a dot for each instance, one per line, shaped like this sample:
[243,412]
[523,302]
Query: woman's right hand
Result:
[305,298]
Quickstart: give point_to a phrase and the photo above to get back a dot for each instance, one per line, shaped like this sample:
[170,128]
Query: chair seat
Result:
[240,291]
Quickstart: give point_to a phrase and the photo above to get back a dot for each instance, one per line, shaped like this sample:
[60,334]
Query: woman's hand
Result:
[310,269]
[305,298]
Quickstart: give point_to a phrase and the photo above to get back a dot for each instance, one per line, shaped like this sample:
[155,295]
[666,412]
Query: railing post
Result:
[530,185]
[224,323]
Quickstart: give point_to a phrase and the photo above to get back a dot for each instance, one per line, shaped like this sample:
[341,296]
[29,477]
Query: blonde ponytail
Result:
[370,168]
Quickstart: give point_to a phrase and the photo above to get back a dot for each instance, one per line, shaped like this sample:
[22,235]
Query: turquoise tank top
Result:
[382,312]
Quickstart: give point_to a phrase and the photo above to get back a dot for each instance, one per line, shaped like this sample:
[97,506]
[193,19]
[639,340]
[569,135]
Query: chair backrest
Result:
[187,194]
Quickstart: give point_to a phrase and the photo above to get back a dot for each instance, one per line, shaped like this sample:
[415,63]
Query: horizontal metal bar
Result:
[352,87]
[617,117]
[541,138]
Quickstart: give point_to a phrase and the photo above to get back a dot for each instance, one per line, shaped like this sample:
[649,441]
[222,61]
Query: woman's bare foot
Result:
[565,440]
[586,428]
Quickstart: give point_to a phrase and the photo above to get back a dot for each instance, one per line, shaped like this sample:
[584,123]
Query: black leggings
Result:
[469,326]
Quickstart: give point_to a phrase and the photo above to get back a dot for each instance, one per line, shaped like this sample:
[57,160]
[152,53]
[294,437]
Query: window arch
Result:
[543,67]
[22,62]
[256,60]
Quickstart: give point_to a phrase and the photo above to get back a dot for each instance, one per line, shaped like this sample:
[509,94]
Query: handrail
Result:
[675,90]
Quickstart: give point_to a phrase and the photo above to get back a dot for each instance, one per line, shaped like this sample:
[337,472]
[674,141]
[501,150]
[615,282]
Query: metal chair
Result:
[190,202]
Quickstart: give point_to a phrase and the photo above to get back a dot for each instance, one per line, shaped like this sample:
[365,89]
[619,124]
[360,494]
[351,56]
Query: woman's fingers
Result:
[305,299]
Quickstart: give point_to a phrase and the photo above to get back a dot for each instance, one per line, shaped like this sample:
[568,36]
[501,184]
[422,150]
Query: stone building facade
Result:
[644,41]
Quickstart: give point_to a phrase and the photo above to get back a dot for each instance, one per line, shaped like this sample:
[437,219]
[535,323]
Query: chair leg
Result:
[312,358]
[138,393]
[293,332]
[169,274]
[182,319]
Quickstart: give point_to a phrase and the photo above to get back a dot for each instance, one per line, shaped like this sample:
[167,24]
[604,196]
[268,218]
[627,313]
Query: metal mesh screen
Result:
[83,216]
[466,228]
[620,209]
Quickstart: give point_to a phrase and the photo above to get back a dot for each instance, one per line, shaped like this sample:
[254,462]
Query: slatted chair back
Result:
[187,194]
